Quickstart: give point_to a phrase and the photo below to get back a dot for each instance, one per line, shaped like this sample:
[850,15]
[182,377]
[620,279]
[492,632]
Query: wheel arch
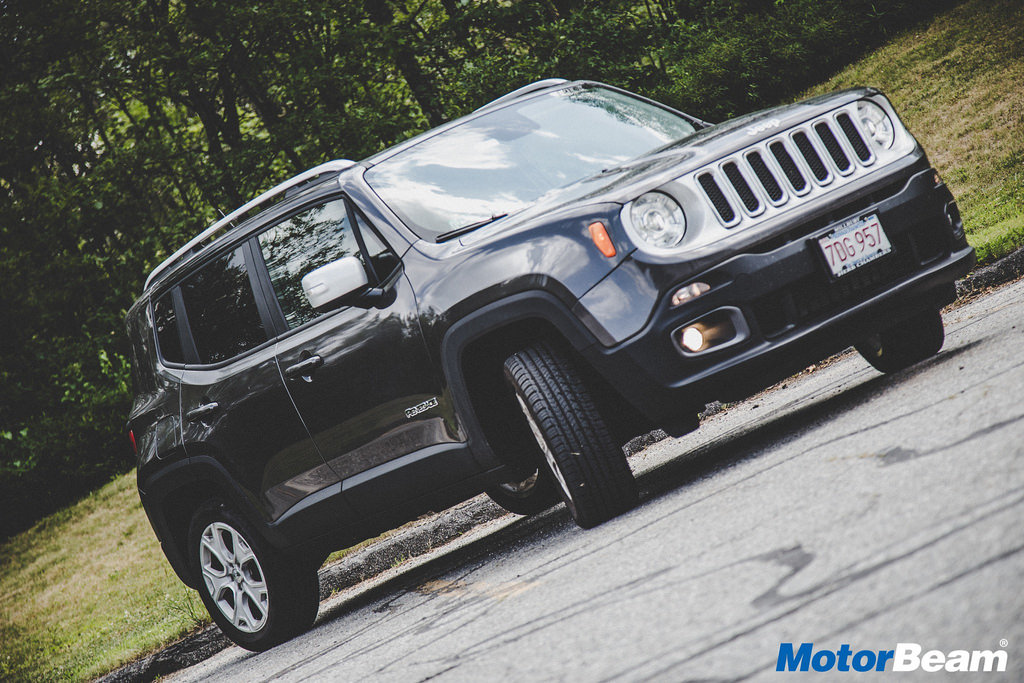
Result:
[172,497]
[473,352]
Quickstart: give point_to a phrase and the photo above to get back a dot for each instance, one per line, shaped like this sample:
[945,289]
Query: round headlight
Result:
[658,220]
[876,123]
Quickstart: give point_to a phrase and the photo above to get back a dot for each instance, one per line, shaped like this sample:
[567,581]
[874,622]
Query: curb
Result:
[1004,270]
[437,530]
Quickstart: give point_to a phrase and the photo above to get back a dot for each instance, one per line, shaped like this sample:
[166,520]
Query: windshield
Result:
[507,159]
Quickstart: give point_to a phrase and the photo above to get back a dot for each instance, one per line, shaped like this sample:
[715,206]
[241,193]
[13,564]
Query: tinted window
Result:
[508,158]
[383,259]
[167,329]
[141,334]
[221,309]
[305,242]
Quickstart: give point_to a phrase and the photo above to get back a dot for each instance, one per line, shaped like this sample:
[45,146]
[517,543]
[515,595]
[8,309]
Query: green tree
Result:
[127,125]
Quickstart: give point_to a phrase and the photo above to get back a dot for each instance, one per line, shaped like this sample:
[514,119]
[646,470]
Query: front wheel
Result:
[253,593]
[909,341]
[588,470]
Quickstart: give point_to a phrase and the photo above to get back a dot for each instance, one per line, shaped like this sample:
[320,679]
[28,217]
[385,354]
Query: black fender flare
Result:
[185,475]
[511,309]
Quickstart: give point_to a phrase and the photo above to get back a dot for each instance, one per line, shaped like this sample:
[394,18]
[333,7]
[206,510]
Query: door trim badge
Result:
[421,407]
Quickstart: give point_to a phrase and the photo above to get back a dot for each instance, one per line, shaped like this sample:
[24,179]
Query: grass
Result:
[956,82]
[88,588]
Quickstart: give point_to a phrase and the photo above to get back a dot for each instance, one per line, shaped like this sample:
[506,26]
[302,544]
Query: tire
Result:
[589,471]
[908,342]
[534,494]
[254,594]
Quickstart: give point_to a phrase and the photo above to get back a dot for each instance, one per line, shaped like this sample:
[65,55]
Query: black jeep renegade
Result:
[498,305]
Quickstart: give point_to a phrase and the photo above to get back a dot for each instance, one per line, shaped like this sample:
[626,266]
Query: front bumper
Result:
[790,310]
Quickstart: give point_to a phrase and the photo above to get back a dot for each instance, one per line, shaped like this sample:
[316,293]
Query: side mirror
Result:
[327,284]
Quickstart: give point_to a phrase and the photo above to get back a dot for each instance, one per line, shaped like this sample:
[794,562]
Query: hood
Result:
[629,180]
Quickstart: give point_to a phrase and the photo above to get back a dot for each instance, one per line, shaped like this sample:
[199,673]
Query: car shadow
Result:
[710,458]
[760,435]
[763,433]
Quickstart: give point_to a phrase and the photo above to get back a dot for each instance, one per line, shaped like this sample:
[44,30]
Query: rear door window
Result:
[221,308]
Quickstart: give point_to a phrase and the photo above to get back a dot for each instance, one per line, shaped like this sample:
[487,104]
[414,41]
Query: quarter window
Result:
[166,324]
[221,308]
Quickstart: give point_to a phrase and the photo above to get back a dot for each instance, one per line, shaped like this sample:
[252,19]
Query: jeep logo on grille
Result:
[763,126]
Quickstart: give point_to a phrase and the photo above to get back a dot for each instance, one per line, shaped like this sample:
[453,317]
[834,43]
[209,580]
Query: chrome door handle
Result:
[303,368]
[202,411]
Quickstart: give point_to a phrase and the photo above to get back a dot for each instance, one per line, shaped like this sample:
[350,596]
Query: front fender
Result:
[493,317]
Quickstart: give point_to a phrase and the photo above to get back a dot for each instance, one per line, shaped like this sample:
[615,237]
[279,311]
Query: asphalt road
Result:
[845,507]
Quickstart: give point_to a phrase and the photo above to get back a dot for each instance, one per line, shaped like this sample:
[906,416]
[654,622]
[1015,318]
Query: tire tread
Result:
[593,465]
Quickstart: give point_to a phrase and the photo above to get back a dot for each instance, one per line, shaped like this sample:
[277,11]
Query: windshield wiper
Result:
[445,236]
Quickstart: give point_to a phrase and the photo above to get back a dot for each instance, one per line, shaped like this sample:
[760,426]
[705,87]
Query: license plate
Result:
[853,243]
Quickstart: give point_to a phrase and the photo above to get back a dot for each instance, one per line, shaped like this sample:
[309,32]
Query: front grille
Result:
[764,175]
[718,200]
[832,146]
[789,168]
[739,183]
[810,155]
[860,148]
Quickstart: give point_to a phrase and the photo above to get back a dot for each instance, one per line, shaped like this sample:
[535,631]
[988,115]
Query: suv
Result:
[498,305]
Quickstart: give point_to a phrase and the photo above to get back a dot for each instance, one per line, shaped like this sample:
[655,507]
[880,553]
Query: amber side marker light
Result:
[599,234]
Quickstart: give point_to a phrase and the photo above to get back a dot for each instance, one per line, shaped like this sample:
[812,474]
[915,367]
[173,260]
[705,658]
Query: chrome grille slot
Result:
[860,148]
[742,187]
[832,146]
[789,167]
[765,177]
[810,155]
[717,197]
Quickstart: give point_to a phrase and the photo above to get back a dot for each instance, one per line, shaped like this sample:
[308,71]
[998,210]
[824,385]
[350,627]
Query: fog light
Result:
[693,339]
[718,329]
[689,292]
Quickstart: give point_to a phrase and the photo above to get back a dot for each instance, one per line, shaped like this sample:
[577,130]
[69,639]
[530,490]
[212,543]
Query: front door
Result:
[359,375]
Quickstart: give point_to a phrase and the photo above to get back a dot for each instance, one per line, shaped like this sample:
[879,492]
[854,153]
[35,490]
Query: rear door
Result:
[366,389]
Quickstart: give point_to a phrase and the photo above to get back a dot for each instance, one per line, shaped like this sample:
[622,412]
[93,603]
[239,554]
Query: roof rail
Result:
[525,90]
[328,167]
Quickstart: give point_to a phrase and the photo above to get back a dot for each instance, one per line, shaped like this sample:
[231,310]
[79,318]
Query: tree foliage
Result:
[125,126]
